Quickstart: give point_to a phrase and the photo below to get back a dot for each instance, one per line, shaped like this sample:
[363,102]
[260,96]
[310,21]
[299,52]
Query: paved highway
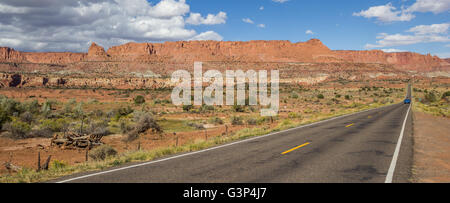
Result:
[373,146]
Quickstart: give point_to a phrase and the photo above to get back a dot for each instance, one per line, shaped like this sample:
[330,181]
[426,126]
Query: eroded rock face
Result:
[10,55]
[253,51]
[96,53]
[403,60]
[137,55]
[54,57]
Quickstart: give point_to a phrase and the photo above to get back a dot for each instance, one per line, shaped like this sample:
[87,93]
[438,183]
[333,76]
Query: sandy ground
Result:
[431,149]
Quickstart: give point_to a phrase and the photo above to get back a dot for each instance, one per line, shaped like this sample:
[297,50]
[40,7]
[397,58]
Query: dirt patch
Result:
[431,149]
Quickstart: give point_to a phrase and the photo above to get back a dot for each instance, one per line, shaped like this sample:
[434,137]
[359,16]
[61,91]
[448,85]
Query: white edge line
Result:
[213,148]
[390,174]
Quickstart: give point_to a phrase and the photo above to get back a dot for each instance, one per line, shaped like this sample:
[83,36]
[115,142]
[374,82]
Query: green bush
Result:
[320,96]
[294,115]
[187,108]
[57,125]
[58,165]
[294,95]
[17,129]
[430,97]
[30,106]
[27,117]
[238,108]
[252,121]
[347,97]
[4,117]
[144,122]
[236,120]
[139,99]
[197,126]
[446,94]
[216,120]
[102,152]
[46,108]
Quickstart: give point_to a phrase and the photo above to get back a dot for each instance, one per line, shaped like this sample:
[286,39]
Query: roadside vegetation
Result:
[432,101]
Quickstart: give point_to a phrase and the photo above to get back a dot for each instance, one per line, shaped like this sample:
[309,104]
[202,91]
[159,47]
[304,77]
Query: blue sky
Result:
[66,25]
[331,21]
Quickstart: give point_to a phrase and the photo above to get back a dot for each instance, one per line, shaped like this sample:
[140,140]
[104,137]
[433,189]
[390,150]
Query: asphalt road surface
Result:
[362,147]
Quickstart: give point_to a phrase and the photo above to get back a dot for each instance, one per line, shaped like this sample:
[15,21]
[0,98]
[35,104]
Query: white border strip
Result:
[390,174]
[213,148]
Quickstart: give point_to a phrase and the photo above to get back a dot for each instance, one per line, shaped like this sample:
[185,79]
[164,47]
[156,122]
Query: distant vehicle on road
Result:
[407,101]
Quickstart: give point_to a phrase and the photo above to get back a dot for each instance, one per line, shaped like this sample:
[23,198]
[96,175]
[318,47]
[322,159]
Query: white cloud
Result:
[309,32]
[261,25]
[389,13]
[422,34]
[197,19]
[443,55]
[67,25]
[392,50]
[209,35]
[248,20]
[261,8]
[435,6]
[385,13]
[430,29]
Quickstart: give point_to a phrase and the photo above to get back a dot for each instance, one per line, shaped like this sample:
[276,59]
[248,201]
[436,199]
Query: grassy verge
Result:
[440,108]
[59,170]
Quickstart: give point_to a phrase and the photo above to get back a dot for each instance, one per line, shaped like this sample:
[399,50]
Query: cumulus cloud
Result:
[309,32]
[392,50]
[261,25]
[421,34]
[197,19]
[67,25]
[434,6]
[385,13]
[209,35]
[389,13]
[430,29]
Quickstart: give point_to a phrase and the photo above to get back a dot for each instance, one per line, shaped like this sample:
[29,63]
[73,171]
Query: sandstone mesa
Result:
[313,51]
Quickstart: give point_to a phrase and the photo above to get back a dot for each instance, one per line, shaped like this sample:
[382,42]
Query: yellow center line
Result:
[295,148]
[349,125]
[369,117]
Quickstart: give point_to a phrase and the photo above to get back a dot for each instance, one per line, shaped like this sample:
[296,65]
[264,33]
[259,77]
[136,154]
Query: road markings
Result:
[391,171]
[295,148]
[349,125]
[369,117]
[214,148]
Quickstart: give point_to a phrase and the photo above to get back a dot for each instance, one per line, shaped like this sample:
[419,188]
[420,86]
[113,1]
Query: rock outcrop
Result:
[185,52]
[10,55]
[96,53]
[54,57]
[403,60]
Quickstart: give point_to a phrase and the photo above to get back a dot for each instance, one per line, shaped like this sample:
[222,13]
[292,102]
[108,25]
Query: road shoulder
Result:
[431,149]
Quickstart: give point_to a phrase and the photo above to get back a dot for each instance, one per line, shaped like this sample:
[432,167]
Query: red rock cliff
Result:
[10,55]
[253,51]
[404,60]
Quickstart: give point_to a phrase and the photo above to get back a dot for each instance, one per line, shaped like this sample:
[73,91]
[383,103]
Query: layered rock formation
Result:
[10,55]
[185,52]
[96,53]
[404,60]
